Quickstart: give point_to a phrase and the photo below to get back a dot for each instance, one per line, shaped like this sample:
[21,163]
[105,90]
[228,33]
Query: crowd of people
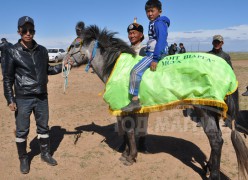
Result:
[174,49]
[29,94]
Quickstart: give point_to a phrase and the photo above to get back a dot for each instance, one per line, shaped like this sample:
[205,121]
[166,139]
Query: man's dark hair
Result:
[153,4]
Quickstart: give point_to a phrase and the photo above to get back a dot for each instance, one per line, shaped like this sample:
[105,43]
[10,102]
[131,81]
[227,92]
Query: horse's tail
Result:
[237,141]
[241,153]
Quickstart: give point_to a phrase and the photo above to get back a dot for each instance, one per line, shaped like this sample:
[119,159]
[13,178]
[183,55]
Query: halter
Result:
[93,54]
[79,51]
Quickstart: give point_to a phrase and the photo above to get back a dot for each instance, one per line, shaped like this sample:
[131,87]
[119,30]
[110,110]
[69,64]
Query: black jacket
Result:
[27,70]
[223,55]
[182,50]
[3,46]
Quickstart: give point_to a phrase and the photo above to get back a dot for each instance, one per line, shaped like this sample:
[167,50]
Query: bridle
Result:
[71,55]
[93,54]
[66,68]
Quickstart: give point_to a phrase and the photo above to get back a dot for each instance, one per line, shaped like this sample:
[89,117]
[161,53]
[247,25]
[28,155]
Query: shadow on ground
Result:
[185,151]
[56,136]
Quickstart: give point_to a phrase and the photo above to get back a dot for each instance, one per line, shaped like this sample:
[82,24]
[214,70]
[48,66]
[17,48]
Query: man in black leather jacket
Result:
[27,69]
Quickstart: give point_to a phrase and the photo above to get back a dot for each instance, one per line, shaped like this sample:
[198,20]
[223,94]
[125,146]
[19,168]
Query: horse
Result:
[101,49]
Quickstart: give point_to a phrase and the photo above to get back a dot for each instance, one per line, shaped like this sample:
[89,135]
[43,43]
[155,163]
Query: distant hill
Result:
[238,55]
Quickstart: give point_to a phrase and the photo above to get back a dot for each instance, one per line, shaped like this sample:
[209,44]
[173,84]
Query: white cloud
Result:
[235,38]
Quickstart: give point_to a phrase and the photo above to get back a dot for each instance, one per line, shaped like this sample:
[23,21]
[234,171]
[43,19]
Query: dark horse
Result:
[101,49]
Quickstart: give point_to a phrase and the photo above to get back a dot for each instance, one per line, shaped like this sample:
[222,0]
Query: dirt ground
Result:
[177,147]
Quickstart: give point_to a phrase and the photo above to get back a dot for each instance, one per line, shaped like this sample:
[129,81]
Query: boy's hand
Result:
[12,106]
[153,66]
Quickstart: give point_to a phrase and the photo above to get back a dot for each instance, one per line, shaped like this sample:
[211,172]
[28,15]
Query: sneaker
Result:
[134,105]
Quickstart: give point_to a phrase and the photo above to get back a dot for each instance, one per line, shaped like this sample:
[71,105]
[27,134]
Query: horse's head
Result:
[75,53]
[101,49]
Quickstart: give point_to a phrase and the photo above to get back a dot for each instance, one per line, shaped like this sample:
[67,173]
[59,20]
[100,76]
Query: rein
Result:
[66,68]
[65,73]
[93,54]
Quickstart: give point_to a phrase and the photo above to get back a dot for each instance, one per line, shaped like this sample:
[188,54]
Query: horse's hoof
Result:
[128,163]
[123,159]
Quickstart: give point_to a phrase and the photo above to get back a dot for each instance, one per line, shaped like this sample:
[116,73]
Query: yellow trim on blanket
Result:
[180,104]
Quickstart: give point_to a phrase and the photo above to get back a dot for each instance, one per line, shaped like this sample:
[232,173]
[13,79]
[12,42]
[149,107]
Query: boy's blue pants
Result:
[137,72]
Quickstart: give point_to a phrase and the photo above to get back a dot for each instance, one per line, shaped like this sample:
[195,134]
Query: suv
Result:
[56,54]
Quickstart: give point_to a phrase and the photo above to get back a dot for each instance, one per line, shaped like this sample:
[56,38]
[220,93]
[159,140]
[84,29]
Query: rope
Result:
[66,68]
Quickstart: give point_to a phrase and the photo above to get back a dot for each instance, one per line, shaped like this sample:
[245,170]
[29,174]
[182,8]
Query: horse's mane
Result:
[110,46]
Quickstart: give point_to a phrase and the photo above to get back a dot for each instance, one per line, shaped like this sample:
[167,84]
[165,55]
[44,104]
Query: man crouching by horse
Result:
[27,69]
[140,121]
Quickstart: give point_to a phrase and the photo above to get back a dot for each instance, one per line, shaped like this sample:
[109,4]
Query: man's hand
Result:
[153,66]
[67,62]
[12,107]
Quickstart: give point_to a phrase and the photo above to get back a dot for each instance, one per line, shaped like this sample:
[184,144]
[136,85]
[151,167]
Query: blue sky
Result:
[193,22]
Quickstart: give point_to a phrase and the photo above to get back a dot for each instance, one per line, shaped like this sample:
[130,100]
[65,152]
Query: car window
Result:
[61,50]
[55,50]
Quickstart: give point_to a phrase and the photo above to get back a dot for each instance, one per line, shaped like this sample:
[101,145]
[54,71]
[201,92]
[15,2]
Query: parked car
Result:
[56,54]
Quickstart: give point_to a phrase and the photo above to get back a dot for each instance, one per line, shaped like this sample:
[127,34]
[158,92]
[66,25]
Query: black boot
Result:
[45,152]
[23,156]
[134,105]
[142,145]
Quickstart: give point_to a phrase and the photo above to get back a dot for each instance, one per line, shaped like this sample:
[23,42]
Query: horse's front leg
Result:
[130,153]
[132,147]
[210,124]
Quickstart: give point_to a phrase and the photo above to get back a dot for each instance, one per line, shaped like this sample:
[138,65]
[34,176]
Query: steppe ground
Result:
[177,147]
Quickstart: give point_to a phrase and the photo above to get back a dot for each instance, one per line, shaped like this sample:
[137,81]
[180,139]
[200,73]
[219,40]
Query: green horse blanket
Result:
[179,80]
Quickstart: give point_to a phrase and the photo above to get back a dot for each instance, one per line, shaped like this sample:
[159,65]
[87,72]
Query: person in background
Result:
[176,48]
[27,69]
[4,44]
[157,47]
[218,42]
[79,30]
[182,48]
[136,36]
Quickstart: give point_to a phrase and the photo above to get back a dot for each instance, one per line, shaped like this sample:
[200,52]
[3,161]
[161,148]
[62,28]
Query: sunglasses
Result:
[26,30]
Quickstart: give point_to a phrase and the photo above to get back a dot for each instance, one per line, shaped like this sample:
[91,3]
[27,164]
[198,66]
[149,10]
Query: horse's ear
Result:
[79,28]
[80,25]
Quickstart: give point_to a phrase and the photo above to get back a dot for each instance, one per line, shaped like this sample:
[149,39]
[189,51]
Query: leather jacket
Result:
[27,70]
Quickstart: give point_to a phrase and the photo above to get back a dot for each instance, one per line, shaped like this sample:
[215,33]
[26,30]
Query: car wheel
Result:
[56,59]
